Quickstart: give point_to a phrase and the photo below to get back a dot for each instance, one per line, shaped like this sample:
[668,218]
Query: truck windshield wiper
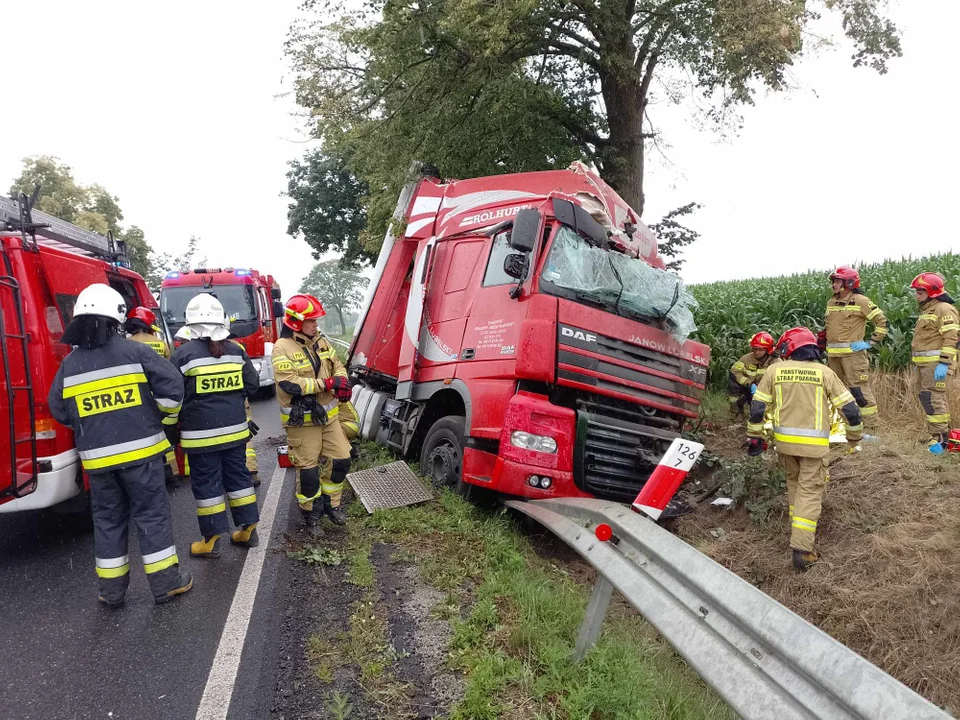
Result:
[591,300]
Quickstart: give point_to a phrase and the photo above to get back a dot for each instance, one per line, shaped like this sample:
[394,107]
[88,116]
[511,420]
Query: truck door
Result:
[450,294]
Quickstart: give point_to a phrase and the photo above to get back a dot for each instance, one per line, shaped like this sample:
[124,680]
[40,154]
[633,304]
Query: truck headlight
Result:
[539,443]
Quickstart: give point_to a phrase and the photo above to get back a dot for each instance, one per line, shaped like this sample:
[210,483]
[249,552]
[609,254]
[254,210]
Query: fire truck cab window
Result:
[499,249]
[239,303]
[65,303]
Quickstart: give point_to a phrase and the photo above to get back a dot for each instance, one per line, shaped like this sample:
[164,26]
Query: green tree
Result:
[326,205]
[674,236]
[478,88]
[337,287]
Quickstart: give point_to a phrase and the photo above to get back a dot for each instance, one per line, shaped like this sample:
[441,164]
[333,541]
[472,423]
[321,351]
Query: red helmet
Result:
[762,341]
[300,308]
[145,316]
[931,282]
[850,277]
[794,339]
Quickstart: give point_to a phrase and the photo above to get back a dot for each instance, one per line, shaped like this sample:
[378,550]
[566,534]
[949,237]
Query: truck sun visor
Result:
[581,221]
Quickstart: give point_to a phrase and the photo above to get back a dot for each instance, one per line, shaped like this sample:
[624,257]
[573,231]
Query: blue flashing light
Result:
[242,272]
[172,275]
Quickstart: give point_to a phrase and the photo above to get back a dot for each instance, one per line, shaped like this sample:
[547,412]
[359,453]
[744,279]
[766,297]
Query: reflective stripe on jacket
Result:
[114,398]
[801,396]
[846,322]
[152,342]
[214,415]
[935,334]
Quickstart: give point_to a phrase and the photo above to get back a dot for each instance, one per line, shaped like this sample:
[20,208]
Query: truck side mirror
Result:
[275,293]
[277,308]
[515,265]
[526,230]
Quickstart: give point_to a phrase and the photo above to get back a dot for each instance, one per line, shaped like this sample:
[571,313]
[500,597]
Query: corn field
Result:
[731,312]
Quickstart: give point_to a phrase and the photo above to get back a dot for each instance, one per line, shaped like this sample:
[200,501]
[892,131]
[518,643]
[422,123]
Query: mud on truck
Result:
[521,335]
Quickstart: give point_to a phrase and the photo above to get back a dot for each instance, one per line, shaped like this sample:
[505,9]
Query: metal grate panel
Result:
[388,486]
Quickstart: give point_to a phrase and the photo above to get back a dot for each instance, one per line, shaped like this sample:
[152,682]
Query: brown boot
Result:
[802,560]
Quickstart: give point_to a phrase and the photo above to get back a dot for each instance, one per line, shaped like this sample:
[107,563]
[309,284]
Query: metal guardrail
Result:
[339,343]
[762,659]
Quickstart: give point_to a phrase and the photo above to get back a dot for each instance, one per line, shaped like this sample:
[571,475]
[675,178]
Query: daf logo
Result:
[578,334]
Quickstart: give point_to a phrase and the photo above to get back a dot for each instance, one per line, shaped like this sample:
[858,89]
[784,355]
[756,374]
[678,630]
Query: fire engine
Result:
[46,262]
[508,339]
[251,301]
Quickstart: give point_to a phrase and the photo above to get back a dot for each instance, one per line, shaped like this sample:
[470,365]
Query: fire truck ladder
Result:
[9,282]
[20,216]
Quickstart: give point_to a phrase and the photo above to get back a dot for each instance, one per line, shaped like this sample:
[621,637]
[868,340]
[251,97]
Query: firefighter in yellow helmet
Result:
[141,326]
[847,315]
[801,392]
[934,351]
[311,384]
[746,373]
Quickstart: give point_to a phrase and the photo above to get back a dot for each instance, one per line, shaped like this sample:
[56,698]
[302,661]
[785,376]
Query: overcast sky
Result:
[179,110]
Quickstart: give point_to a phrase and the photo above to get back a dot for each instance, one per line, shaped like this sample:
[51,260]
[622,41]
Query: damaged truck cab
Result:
[521,335]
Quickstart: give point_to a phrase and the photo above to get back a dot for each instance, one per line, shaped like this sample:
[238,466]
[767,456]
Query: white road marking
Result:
[223,673]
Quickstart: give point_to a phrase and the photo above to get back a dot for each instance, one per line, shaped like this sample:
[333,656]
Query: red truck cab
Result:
[251,301]
[44,264]
[521,336]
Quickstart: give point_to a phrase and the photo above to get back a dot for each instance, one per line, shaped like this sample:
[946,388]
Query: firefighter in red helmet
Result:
[847,315]
[934,351]
[800,392]
[311,383]
[746,373]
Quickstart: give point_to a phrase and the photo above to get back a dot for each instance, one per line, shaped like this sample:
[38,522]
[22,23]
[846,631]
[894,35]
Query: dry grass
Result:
[889,586]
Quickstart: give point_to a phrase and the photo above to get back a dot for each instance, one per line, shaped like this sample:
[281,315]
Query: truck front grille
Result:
[613,458]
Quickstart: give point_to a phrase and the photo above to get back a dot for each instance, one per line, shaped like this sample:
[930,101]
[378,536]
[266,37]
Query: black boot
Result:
[336,515]
[311,522]
[804,560]
[184,583]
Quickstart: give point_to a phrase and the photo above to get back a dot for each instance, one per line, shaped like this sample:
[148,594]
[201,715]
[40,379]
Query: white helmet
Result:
[102,300]
[205,309]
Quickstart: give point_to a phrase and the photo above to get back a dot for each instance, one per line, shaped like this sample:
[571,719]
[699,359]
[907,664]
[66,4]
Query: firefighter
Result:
[847,315]
[117,397]
[934,351]
[213,426]
[746,373]
[141,326]
[801,391]
[311,382]
[250,453]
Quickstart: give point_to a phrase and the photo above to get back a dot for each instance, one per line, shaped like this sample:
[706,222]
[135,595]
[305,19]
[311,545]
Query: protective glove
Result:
[940,372]
[173,434]
[253,427]
[859,345]
[756,447]
[339,386]
[753,388]
[822,339]
[296,413]
[318,416]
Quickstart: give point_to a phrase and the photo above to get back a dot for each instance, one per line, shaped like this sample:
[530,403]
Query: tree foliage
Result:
[481,88]
[674,236]
[337,287]
[326,205]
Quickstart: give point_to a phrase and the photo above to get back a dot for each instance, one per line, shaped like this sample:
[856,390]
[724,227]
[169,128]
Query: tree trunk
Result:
[343,327]
[622,160]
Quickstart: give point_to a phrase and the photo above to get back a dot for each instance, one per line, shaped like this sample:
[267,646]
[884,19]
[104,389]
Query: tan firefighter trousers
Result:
[806,478]
[854,372]
[311,445]
[348,423]
[251,454]
[933,399]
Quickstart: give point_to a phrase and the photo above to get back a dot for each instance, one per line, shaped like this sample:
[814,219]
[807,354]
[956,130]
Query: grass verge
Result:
[515,642]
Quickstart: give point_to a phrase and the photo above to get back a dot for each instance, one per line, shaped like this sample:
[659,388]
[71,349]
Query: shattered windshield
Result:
[617,283]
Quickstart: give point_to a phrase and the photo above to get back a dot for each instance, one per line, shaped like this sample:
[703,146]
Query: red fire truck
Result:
[45,264]
[250,300]
[511,340]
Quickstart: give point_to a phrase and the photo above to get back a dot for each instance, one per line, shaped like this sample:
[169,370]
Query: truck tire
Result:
[441,459]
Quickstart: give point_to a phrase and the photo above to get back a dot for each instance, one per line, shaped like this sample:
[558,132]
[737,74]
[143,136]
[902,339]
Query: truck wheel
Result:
[441,459]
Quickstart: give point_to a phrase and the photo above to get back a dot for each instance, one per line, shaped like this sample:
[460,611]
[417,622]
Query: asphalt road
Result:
[63,655]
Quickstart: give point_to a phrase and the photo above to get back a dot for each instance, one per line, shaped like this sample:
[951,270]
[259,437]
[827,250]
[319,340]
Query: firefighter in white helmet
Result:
[214,430]
[114,394]
[311,383]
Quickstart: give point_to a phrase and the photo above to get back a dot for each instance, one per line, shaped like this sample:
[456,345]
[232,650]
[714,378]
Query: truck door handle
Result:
[468,354]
